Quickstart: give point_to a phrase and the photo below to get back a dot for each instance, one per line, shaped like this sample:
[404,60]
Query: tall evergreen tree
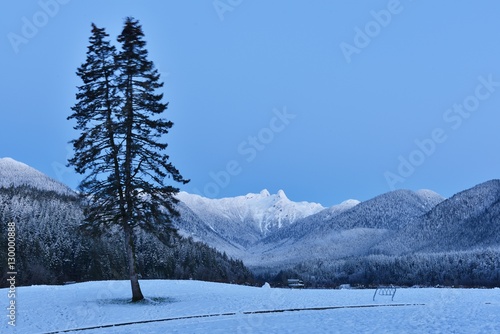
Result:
[96,150]
[120,148]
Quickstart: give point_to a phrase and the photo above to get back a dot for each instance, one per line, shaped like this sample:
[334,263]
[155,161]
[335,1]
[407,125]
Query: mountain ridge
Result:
[467,220]
[265,210]
[15,174]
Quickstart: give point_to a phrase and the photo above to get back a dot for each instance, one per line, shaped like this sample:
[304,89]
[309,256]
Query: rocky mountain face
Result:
[264,213]
[235,224]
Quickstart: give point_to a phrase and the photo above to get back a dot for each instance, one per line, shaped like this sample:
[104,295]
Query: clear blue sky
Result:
[327,100]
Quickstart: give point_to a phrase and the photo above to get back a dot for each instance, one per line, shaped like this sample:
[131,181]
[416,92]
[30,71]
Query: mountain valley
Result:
[356,242]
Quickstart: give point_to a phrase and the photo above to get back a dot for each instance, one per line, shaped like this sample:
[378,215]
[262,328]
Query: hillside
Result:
[51,249]
[14,174]
[468,220]
[456,242]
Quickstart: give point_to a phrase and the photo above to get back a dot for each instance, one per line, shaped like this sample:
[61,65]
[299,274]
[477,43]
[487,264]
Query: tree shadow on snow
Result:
[145,301]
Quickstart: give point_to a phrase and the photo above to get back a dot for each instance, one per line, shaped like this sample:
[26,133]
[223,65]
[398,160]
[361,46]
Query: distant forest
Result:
[479,268]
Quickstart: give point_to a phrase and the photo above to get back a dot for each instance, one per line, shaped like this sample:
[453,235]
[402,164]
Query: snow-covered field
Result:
[202,307]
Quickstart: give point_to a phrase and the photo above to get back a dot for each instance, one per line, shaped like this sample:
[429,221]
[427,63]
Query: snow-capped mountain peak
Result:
[263,212]
[14,174]
[281,194]
[347,204]
[265,193]
[430,196]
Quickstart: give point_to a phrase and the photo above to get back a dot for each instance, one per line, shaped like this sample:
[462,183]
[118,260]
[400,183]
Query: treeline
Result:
[51,249]
[475,268]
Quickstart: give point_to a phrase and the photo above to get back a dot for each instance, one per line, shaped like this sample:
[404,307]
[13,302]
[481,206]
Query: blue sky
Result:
[327,100]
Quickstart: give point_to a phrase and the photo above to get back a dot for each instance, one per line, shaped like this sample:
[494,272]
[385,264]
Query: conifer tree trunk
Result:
[132,265]
[129,194]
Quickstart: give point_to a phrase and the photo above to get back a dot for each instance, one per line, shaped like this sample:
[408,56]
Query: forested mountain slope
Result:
[51,249]
[468,220]
[14,174]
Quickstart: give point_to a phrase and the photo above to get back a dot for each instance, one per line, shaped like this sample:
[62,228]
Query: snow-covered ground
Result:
[202,307]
